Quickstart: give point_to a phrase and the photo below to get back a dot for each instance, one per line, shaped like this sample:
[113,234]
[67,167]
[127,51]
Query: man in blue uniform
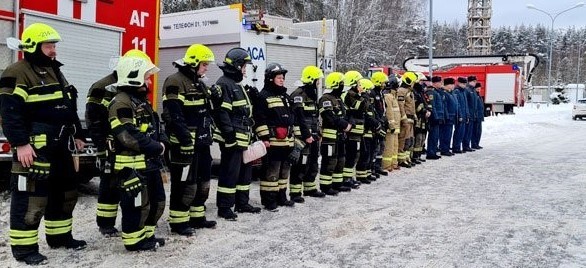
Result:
[451,108]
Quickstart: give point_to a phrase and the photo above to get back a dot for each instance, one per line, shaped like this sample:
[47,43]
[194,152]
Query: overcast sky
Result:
[514,12]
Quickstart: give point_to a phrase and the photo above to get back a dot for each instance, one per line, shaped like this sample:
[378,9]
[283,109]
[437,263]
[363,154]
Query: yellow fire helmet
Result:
[365,84]
[334,80]
[409,78]
[351,78]
[310,74]
[379,79]
[197,53]
[37,33]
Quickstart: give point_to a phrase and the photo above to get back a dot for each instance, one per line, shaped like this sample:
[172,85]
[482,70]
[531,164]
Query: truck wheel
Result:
[574,118]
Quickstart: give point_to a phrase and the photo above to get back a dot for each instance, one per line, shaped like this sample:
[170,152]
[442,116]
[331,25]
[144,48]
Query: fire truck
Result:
[94,33]
[504,77]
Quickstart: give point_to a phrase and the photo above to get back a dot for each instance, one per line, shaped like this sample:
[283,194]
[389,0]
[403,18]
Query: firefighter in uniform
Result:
[234,123]
[421,123]
[96,117]
[463,116]
[304,105]
[275,127]
[371,126]
[406,102]
[355,105]
[437,117]
[379,79]
[39,119]
[393,115]
[187,105]
[138,150]
[334,123]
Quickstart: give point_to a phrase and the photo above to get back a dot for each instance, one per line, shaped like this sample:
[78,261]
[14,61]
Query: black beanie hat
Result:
[436,79]
[449,81]
[462,80]
[471,78]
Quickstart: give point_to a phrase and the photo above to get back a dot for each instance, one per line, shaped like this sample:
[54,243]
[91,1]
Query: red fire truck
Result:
[503,77]
[93,32]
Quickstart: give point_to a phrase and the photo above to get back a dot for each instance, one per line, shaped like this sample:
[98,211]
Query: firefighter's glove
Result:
[40,169]
[132,185]
[381,132]
[295,154]
[186,154]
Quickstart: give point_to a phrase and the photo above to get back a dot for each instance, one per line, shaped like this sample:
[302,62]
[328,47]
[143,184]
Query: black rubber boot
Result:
[331,192]
[227,214]
[315,193]
[109,231]
[282,199]
[185,231]
[72,244]
[34,259]
[247,209]
[146,245]
[298,199]
[202,222]
[381,172]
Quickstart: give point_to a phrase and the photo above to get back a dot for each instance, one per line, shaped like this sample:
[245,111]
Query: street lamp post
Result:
[430,38]
[553,18]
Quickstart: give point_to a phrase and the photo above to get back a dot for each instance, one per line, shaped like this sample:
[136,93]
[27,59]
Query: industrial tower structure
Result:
[479,32]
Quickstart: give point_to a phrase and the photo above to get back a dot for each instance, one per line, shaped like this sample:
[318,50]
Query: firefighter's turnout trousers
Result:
[406,141]
[53,197]
[98,126]
[304,172]
[274,118]
[234,178]
[137,158]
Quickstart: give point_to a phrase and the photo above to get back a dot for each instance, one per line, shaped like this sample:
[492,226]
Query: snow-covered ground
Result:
[519,202]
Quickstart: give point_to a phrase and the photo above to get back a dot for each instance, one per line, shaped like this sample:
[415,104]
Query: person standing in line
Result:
[139,146]
[372,126]
[333,117]
[406,102]
[437,117]
[393,115]
[96,113]
[39,118]
[473,113]
[304,172]
[421,125]
[379,79]
[275,121]
[477,133]
[234,122]
[355,110]
[463,116]
[451,108]
[187,106]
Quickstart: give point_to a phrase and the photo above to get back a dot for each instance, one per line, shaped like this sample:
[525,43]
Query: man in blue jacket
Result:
[437,117]
[472,106]
[451,108]
[463,115]
[477,128]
